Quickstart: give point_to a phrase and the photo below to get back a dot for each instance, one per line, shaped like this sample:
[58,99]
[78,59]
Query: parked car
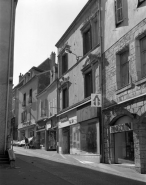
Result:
[21,143]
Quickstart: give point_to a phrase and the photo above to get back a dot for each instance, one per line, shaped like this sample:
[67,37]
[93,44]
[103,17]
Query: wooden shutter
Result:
[46,107]
[49,109]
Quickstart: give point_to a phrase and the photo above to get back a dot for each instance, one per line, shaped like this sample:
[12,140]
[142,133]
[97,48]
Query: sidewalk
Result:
[119,170]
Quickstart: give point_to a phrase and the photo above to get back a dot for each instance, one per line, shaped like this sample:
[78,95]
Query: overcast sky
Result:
[39,25]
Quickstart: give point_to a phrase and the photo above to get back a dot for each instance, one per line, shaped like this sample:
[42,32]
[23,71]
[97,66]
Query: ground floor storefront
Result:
[79,133]
[125,134]
[26,131]
[46,134]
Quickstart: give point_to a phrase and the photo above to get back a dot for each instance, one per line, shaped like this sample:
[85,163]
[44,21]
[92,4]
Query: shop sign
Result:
[95,100]
[121,128]
[40,127]
[63,119]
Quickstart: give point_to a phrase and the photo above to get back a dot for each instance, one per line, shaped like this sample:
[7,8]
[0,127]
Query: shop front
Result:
[79,133]
[51,134]
[40,134]
[66,122]
[122,136]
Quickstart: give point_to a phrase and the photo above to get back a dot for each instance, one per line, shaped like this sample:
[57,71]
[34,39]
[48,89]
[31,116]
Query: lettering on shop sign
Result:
[40,127]
[121,128]
[63,119]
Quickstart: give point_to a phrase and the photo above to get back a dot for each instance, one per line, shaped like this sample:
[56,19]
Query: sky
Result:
[38,27]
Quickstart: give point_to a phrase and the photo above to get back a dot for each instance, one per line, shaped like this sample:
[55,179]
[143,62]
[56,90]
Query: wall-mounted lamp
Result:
[67,50]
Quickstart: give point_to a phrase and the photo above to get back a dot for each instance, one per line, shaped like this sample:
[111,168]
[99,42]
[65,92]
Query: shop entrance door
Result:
[124,147]
[66,142]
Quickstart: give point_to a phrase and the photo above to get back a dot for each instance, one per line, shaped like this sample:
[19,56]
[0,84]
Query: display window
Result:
[83,138]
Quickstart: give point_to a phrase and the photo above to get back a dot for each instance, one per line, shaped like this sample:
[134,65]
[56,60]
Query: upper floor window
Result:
[87,40]
[88,84]
[64,63]
[24,116]
[90,33]
[122,68]
[143,56]
[118,11]
[140,2]
[30,96]
[64,97]
[44,108]
[24,100]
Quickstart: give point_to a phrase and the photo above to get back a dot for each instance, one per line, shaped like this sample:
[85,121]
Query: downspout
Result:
[8,76]
[101,85]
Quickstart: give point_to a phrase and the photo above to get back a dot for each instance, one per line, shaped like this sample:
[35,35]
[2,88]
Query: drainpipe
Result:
[8,75]
[101,85]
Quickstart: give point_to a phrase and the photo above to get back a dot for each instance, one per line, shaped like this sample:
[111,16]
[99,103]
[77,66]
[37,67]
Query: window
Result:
[24,100]
[143,56]
[140,2]
[30,96]
[24,116]
[64,97]
[88,84]
[124,68]
[64,63]
[118,11]
[44,108]
[91,34]
[87,40]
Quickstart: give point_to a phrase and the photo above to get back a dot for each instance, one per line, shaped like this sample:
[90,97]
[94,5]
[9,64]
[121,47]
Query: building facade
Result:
[124,82]
[46,127]
[79,71]
[7,22]
[34,81]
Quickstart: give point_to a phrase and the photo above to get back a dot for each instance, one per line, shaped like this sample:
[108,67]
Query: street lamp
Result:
[67,50]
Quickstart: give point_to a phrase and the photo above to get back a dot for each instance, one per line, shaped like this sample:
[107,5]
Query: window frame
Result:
[139,2]
[118,22]
[143,75]
[63,64]
[118,69]
[65,104]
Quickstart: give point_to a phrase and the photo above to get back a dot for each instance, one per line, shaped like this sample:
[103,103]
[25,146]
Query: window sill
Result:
[124,89]
[139,82]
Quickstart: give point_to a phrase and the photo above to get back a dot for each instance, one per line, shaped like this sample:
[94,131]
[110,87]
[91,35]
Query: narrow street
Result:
[44,167]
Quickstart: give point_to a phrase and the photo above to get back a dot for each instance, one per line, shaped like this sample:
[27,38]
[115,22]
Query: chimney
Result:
[20,77]
[53,59]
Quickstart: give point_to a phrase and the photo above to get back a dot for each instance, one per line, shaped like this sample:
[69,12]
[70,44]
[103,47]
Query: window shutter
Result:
[119,11]
[41,108]
[49,110]
[46,107]
[55,105]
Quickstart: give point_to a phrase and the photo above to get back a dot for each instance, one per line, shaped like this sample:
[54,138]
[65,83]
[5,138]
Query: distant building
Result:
[7,24]
[79,71]
[34,81]
[46,127]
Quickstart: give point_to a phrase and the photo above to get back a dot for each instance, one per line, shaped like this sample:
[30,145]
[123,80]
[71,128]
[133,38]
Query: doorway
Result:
[124,147]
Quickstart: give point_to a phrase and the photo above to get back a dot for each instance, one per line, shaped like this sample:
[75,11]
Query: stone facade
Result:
[130,100]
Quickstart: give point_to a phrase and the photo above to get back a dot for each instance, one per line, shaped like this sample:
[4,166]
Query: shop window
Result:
[143,56]
[64,97]
[123,68]
[64,63]
[118,11]
[88,138]
[88,83]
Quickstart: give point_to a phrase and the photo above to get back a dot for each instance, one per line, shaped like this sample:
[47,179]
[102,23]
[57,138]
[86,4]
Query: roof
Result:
[74,22]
